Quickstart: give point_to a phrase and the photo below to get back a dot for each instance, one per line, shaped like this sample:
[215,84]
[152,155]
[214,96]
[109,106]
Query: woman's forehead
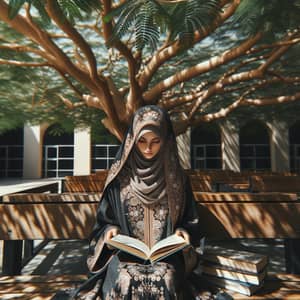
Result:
[149,135]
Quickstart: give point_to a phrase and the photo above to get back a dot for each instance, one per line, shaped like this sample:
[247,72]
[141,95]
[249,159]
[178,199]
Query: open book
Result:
[160,250]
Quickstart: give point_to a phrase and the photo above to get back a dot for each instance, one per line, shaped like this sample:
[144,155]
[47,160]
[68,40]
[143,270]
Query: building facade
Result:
[32,152]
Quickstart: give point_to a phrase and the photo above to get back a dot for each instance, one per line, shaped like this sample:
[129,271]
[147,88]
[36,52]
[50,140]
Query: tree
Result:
[201,60]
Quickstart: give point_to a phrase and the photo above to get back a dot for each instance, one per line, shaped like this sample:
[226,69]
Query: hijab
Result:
[161,176]
[147,175]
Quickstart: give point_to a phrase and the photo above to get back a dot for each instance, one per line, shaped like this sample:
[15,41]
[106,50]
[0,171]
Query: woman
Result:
[146,196]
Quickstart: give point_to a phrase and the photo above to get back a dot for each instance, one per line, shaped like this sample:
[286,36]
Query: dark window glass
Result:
[246,151]
[66,151]
[200,152]
[52,152]
[51,174]
[213,164]
[262,151]
[15,164]
[65,173]
[247,164]
[3,152]
[51,164]
[99,151]
[14,152]
[65,164]
[213,151]
[262,164]
[113,151]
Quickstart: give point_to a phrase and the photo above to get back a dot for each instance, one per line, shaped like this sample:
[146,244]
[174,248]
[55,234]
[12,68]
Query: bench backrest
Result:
[85,183]
[222,215]
[248,215]
[275,183]
[48,216]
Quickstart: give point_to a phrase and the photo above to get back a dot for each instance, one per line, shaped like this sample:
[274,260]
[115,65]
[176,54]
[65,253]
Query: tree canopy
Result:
[99,59]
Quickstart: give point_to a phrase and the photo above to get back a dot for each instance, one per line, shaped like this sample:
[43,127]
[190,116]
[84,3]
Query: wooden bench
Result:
[229,181]
[72,216]
[275,183]
[219,181]
[85,183]
[270,215]
[39,216]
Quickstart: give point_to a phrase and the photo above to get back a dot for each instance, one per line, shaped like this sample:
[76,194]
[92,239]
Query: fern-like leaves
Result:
[150,18]
[141,16]
[270,16]
[72,9]
[191,16]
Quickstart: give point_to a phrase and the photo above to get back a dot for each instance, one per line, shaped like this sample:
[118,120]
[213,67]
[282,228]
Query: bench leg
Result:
[12,257]
[292,255]
[28,248]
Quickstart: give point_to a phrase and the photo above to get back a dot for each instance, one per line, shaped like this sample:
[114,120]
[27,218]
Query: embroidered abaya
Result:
[147,199]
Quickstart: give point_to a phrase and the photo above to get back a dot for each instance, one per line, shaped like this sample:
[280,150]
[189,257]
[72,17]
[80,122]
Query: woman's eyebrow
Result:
[156,139]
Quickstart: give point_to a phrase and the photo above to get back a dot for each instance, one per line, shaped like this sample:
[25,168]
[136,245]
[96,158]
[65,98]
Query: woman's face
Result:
[149,144]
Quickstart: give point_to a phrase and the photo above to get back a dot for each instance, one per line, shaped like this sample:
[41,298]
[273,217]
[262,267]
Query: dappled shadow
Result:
[36,287]
[47,220]
[247,219]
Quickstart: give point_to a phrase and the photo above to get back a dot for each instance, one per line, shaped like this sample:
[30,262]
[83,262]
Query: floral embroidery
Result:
[160,213]
[148,114]
[117,165]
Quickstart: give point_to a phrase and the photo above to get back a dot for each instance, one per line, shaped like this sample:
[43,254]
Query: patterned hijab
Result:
[161,176]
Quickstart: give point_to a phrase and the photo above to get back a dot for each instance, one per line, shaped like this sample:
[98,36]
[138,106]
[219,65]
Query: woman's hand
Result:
[183,233]
[110,233]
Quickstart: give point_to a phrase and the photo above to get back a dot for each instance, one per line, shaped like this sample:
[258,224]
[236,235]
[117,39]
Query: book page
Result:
[168,242]
[138,248]
[123,241]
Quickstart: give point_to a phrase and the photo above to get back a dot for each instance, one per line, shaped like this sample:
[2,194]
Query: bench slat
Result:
[245,197]
[250,220]
[53,197]
[42,278]
[267,183]
[76,220]
[22,296]
[47,221]
[39,287]
[35,287]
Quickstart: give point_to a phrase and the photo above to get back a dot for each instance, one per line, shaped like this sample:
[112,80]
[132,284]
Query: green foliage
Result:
[34,95]
[141,15]
[151,19]
[72,9]
[194,15]
[270,16]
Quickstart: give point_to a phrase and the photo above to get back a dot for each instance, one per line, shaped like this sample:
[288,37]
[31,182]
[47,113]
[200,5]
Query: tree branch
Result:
[224,112]
[277,53]
[200,68]
[58,17]
[135,94]
[166,53]
[23,63]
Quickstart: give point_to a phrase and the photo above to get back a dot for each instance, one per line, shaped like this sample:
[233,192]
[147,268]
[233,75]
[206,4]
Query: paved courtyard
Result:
[68,257]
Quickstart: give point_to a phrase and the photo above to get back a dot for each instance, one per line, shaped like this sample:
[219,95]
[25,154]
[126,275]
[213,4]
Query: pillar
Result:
[279,145]
[82,151]
[33,152]
[230,146]
[184,149]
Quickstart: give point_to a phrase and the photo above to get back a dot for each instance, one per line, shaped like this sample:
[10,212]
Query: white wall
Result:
[230,146]
[33,151]
[82,151]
